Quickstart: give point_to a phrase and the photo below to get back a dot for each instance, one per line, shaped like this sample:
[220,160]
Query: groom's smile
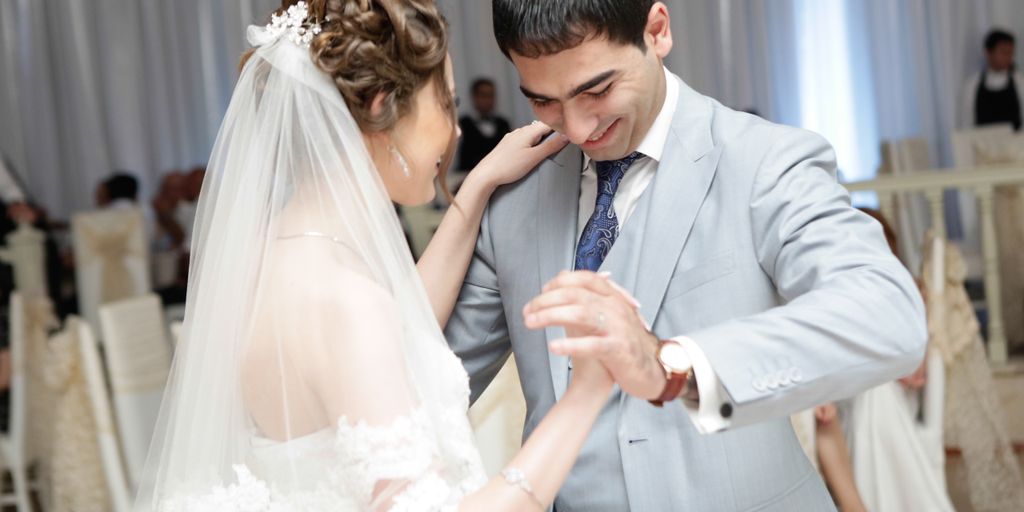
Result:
[602,95]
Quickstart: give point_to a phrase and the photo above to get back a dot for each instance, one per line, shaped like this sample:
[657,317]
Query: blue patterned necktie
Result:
[603,226]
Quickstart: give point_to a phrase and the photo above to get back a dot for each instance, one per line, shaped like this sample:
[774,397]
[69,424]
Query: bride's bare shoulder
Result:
[328,274]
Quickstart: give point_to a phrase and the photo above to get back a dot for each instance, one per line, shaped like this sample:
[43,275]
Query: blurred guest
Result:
[185,212]
[165,203]
[483,129]
[994,96]
[175,205]
[887,459]
[120,192]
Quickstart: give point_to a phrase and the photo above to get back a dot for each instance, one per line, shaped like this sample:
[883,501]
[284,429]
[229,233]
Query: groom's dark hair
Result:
[535,28]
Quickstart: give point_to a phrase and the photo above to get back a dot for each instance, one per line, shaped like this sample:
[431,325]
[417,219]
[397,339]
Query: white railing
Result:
[982,182]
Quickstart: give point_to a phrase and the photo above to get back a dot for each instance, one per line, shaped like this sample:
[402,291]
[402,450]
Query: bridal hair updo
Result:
[393,47]
[389,47]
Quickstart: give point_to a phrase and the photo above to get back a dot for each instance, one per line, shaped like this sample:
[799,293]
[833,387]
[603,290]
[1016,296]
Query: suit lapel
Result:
[644,256]
[557,218]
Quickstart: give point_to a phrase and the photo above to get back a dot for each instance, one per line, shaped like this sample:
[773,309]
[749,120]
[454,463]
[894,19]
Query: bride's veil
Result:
[303,301]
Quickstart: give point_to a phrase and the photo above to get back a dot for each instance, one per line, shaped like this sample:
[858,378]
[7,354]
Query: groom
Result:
[765,291]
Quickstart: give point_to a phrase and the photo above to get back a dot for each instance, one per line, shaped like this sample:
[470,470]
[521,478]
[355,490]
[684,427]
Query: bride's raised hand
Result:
[589,375]
[518,153]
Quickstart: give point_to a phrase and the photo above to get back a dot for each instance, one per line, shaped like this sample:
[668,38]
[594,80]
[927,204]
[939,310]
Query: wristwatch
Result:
[678,370]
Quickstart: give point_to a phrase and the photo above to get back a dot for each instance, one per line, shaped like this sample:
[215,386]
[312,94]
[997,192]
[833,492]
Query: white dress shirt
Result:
[485,125]
[706,417]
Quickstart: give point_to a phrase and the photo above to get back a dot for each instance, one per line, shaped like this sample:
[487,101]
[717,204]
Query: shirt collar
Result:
[653,145]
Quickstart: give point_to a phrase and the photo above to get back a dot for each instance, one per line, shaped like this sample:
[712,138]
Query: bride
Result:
[312,374]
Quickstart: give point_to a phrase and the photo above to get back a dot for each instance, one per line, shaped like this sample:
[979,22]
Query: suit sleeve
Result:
[477,331]
[852,316]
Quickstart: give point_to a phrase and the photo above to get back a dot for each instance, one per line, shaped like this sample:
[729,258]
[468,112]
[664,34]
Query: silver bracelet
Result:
[516,478]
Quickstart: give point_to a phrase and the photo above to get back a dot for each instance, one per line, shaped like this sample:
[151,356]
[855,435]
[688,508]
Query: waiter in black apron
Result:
[996,92]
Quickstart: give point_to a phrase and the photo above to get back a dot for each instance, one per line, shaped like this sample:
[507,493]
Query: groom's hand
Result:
[602,321]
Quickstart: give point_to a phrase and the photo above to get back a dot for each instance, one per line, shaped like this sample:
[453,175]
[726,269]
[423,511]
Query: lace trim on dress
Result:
[402,452]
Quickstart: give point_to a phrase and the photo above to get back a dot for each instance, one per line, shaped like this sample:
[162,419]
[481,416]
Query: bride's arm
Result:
[548,455]
[443,264]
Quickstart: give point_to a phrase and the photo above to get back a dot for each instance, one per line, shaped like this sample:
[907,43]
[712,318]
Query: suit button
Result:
[726,410]
[773,381]
[759,384]
[795,374]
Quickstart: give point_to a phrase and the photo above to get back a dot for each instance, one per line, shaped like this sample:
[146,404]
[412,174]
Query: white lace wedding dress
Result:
[338,468]
[307,318]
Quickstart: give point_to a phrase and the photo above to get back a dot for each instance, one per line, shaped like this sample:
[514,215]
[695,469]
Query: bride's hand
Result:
[590,375]
[518,153]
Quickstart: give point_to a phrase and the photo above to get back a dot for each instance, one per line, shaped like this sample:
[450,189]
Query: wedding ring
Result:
[534,122]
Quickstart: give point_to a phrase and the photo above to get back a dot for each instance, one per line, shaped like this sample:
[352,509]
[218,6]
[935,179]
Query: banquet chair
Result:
[112,258]
[138,357]
[910,215]
[933,397]
[967,144]
[176,327]
[13,445]
[92,366]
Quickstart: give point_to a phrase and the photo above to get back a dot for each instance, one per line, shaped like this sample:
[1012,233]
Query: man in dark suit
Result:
[482,130]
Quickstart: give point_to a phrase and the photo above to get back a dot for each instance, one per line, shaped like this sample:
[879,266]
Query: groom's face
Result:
[603,95]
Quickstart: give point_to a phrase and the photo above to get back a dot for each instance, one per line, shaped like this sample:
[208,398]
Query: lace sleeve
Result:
[394,467]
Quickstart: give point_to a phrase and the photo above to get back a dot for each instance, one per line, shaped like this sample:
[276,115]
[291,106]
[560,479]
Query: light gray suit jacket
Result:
[745,243]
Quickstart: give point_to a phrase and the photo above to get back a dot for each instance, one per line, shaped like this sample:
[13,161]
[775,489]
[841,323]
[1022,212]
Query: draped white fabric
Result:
[94,86]
[143,85]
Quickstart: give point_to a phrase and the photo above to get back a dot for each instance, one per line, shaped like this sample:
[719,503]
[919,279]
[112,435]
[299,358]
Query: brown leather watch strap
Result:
[673,388]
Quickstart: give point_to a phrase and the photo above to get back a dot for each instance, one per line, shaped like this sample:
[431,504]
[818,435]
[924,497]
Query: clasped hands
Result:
[602,323]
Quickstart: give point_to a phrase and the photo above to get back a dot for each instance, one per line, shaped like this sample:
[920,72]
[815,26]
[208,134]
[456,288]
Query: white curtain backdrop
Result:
[98,85]
[93,86]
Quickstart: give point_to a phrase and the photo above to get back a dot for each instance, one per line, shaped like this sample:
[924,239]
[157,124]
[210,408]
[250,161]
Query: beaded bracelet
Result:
[516,478]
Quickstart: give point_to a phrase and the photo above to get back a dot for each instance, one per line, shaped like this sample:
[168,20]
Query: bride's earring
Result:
[397,155]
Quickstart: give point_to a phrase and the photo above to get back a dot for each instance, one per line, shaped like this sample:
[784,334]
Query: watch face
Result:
[674,356]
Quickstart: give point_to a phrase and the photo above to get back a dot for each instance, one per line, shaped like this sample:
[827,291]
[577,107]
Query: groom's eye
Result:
[602,93]
[540,103]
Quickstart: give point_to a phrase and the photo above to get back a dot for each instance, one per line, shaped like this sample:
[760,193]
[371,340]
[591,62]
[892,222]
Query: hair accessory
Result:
[295,25]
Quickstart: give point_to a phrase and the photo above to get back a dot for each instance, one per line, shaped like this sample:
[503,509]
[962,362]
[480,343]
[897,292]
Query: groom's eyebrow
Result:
[589,84]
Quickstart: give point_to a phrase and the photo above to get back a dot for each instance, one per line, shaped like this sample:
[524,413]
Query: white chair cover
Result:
[966,144]
[974,420]
[13,446]
[912,217]
[111,256]
[27,443]
[176,327]
[78,479]
[110,452]
[138,358]
[497,418]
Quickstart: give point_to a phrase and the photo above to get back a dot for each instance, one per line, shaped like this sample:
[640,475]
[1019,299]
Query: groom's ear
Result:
[658,32]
